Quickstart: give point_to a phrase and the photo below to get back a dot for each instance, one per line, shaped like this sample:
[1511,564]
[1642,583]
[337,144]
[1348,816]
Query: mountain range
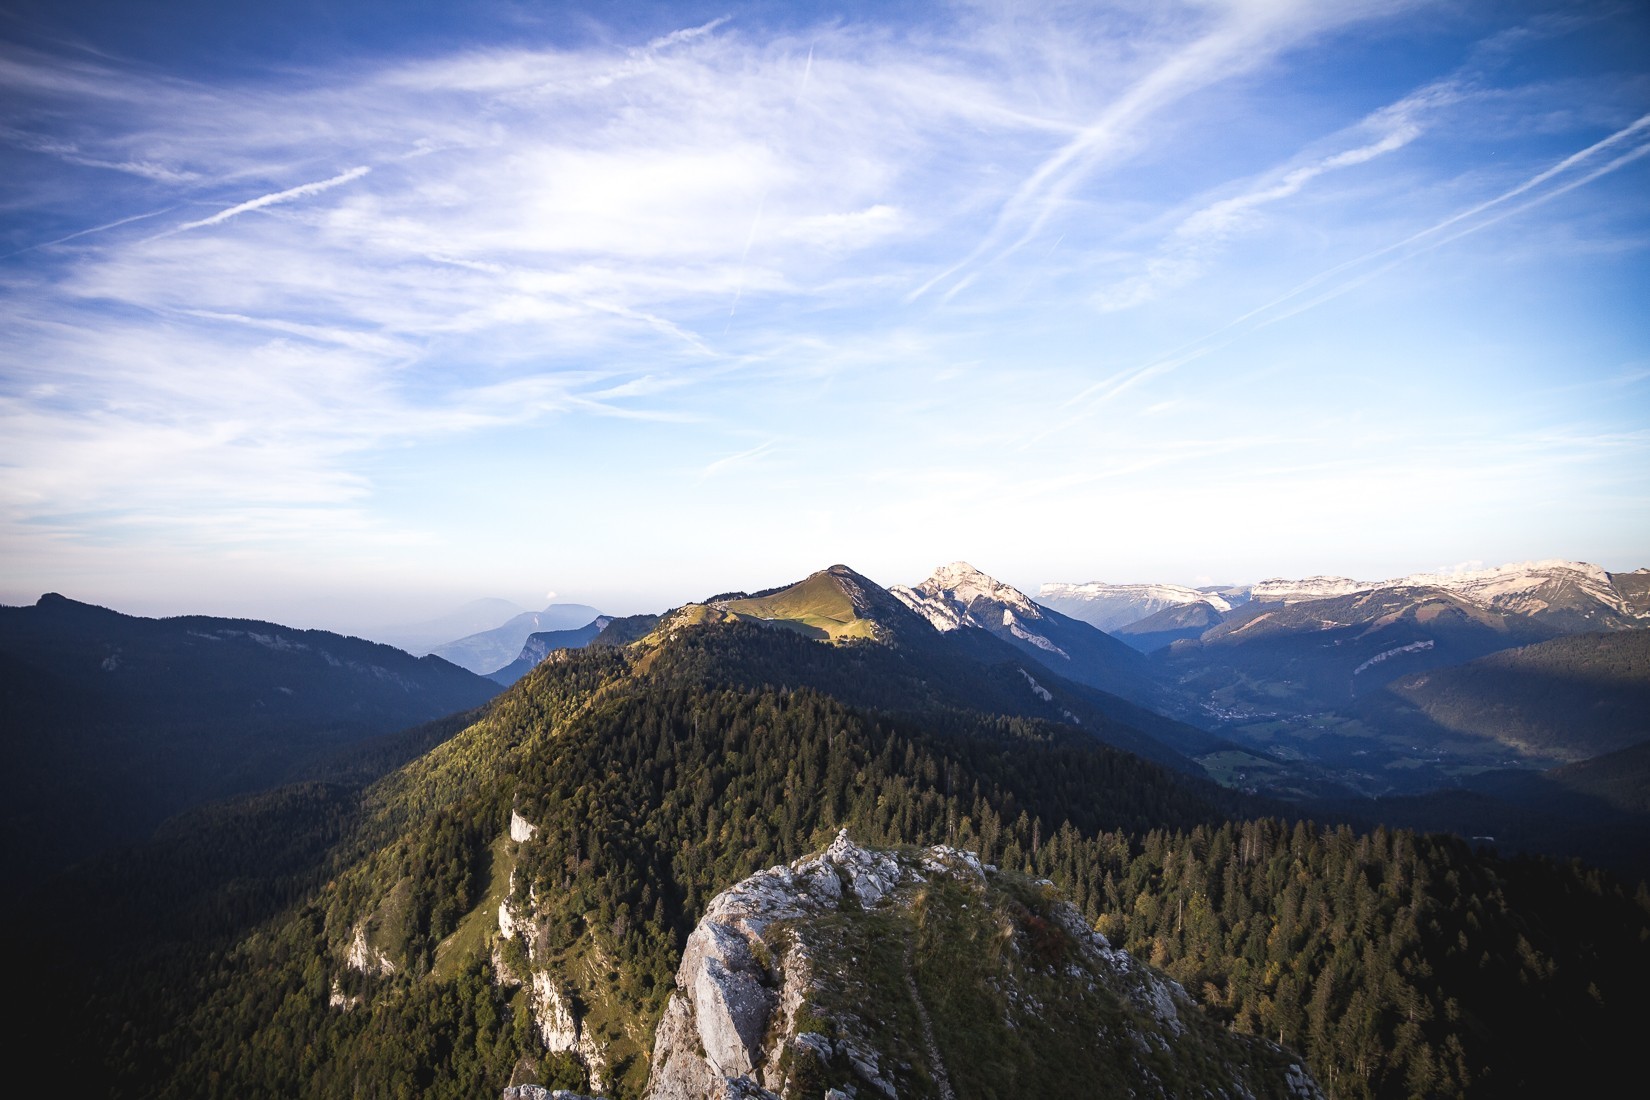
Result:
[1110,606]
[1304,671]
[1569,596]
[834,839]
[958,596]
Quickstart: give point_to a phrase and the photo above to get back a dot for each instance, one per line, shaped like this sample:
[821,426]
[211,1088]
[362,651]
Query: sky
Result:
[343,314]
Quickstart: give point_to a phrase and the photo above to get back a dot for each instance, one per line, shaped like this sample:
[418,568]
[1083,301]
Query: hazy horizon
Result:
[315,312]
[390,619]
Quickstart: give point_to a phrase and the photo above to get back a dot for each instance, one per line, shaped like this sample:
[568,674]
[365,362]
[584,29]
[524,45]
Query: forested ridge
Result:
[1398,964]
[1572,698]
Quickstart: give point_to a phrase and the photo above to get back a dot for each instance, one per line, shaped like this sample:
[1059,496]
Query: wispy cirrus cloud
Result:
[1186,253]
[73,154]
[1236,38]
[739,458]
[1185,257]
[1563,175]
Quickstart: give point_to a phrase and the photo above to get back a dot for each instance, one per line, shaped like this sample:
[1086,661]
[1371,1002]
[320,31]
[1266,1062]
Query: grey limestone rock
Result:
[539,1092]
[744,1019]
[710,1042]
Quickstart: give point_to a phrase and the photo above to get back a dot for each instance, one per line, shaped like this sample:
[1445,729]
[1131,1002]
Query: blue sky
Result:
[341,314]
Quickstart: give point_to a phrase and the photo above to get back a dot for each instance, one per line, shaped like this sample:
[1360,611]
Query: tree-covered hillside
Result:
[1570,698]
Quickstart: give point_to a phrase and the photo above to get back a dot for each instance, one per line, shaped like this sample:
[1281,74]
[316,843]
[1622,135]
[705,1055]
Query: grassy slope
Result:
[818,603]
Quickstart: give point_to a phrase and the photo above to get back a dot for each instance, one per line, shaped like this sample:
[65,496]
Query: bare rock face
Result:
[808,980]
[710,1042]
[560,1028]
[364,957]
[557,1027]
[521,830]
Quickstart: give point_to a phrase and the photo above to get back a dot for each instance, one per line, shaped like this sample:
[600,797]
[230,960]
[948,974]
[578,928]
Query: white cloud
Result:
[852,229]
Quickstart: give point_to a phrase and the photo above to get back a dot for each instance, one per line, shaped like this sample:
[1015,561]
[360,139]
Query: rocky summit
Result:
[923,973]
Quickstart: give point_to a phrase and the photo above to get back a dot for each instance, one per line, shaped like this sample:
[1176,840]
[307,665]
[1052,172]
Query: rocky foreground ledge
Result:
[921,973]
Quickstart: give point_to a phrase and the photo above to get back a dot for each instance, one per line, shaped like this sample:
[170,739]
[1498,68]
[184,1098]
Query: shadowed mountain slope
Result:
[1570,698]
[539,646]
[1328,651]
[1172,624]
[1634,589]
[114,722]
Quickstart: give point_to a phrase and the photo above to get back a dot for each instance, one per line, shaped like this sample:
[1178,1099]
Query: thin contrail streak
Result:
[1335,292]
[271,199]
[93,229]
[1195,65]
[1103,391]
[750,239]
[1534,181]
[762,202]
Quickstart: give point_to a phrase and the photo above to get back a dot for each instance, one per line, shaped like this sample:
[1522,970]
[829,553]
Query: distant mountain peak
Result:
[969,584]
[1111,606]
[488,650]
[958,595]
[1285,590]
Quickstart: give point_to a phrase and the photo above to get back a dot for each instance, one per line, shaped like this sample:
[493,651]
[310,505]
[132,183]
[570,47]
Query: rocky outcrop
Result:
[364,957]
[958,595]
[713,1038]
[340,1000]
[557,1027]
[554,1008]
[810,979]
[521,830]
